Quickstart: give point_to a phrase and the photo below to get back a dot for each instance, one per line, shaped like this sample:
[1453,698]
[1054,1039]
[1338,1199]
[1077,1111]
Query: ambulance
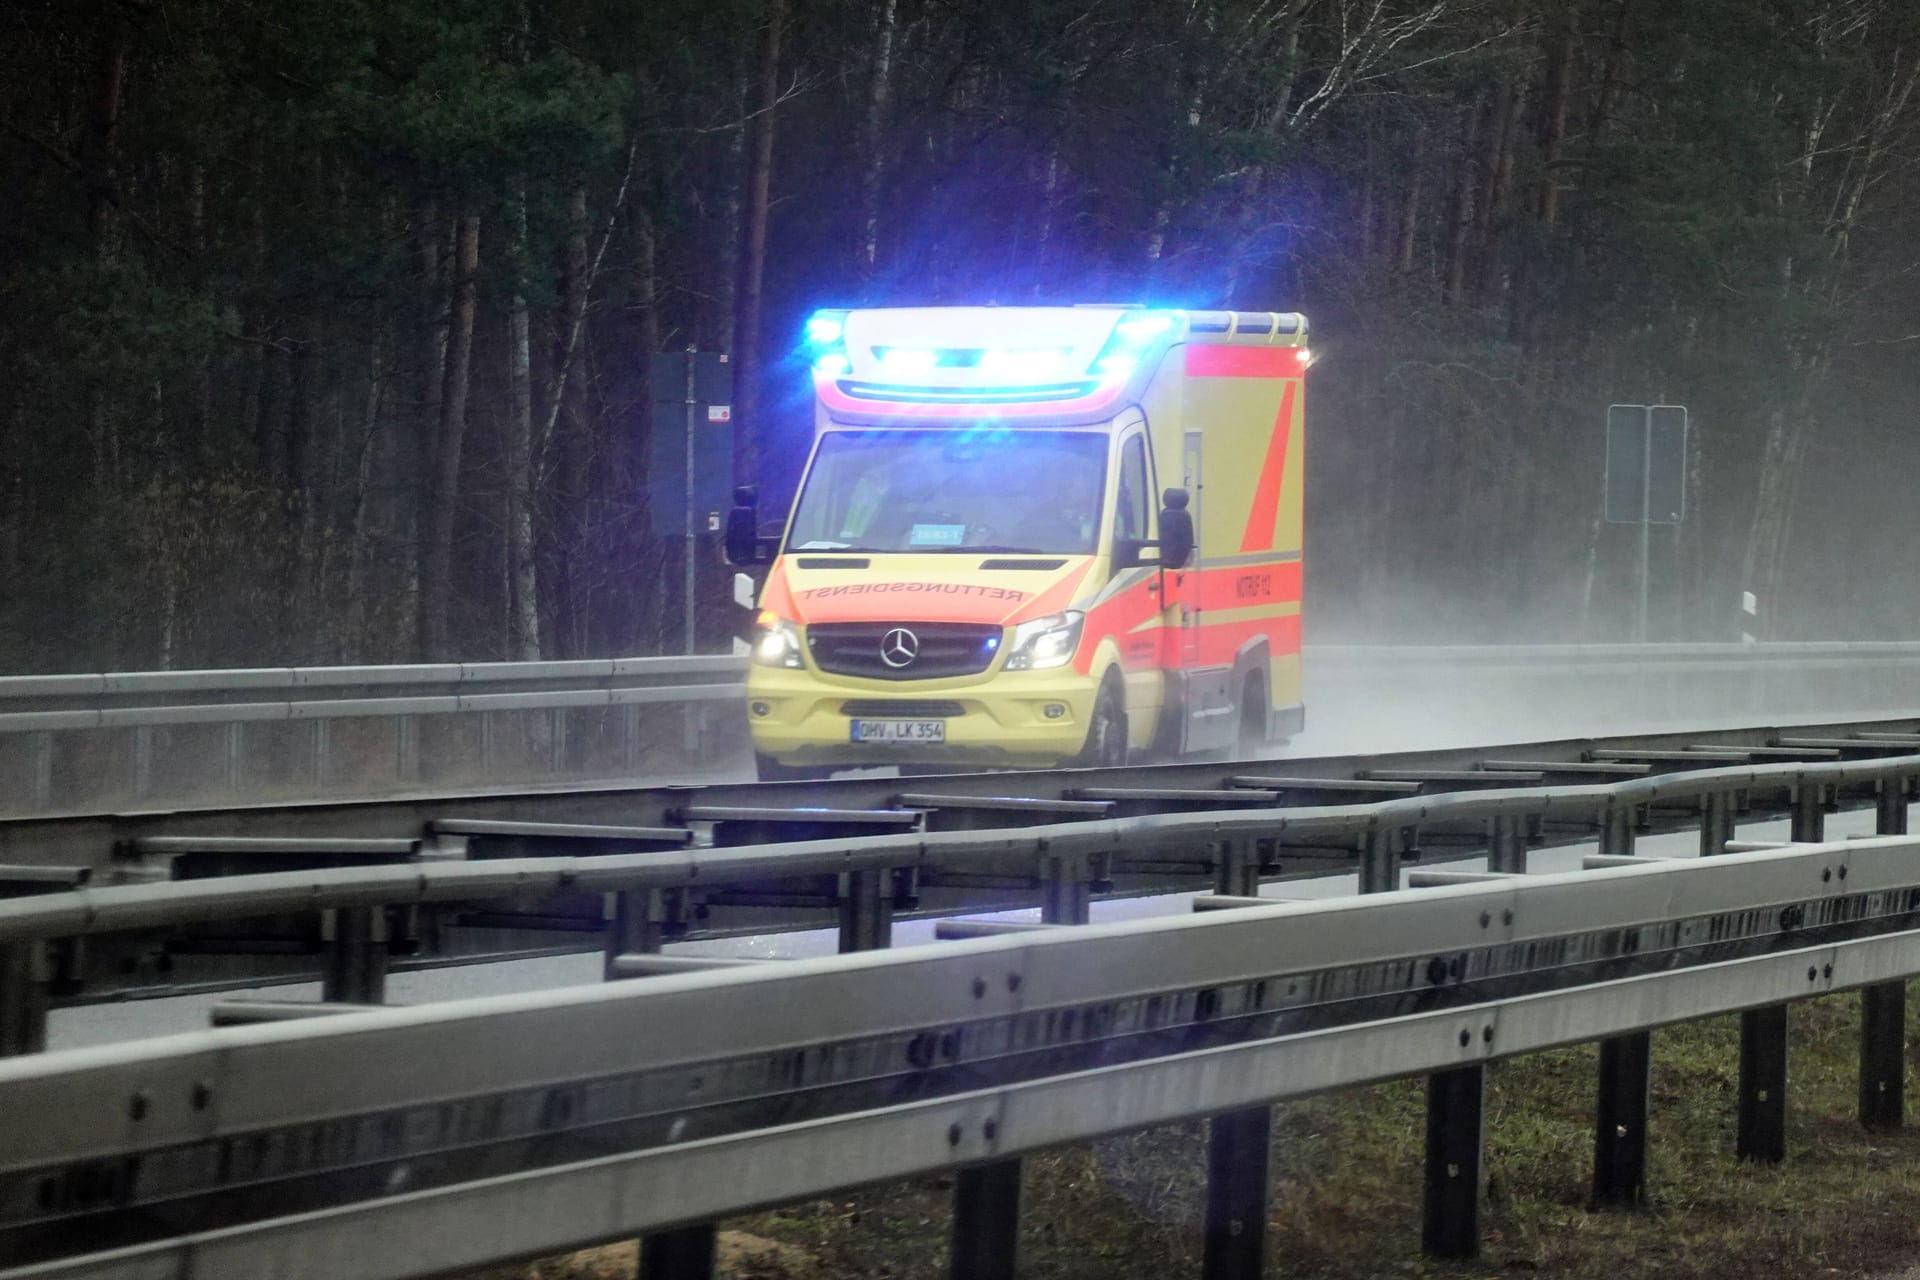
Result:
[1032,537]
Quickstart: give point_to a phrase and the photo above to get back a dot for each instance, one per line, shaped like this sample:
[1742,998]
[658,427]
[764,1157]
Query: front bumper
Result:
[798,717]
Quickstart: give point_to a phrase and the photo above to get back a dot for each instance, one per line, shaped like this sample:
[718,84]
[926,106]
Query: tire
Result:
[1106,746]
[1253,718]
[767,769]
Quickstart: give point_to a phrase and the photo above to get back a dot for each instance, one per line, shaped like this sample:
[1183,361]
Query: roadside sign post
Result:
[1646,476]
[690,457]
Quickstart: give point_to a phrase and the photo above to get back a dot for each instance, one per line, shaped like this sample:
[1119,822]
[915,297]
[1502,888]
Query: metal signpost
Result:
[690,469]
[1646,480]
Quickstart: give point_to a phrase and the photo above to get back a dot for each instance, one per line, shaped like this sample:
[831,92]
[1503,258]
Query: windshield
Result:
[987,489]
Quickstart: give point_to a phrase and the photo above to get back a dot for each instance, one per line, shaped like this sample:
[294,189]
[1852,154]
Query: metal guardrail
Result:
[97,742]
[425,882]
[1610,812]
[87,742]
[128,696]
[518,1125]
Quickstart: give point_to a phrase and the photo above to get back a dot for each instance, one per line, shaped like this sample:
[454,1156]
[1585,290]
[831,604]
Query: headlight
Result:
[776,642]
[1045,642]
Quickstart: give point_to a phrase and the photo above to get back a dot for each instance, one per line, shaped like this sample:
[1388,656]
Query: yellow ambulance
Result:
[976,571]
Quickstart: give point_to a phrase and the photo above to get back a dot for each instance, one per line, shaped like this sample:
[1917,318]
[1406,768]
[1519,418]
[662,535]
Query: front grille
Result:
[943,649]
[900,709]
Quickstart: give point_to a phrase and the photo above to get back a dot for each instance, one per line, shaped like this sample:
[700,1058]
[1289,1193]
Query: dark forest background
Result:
[324,327]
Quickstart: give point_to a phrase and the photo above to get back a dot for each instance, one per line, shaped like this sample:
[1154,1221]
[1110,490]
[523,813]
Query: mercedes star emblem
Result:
[899,647]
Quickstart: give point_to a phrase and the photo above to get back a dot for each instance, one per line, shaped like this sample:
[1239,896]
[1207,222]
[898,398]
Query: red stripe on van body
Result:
[1266,498]
[1243,362]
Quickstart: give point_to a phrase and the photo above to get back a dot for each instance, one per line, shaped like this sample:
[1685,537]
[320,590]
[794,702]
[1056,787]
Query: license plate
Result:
[898,730]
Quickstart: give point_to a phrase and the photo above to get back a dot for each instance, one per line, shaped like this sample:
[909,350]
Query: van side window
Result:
[1131,518]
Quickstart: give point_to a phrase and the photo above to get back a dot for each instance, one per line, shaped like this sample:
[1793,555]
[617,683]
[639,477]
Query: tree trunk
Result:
[1610,70]
[421,461]
[879,92]
[1408,235]
[1494,208]
[435,584]
[100,158]
[523,587]
[573,437]
[1465,189]
[749,431]
[1553,120]
[353,638]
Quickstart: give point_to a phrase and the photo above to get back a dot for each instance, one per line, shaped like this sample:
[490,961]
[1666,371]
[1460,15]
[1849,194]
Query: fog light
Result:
[1054,710]
[761,708]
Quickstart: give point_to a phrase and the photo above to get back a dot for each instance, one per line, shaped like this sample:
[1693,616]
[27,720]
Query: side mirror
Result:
[743,527]
[1130,552]
[1176,530]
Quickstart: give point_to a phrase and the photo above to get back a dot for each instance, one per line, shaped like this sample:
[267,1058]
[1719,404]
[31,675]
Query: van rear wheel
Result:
[1106,746]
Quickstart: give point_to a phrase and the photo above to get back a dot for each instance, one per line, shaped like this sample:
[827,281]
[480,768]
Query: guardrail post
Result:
[1883,1007]
[1507,844]
[1616,831]
[1716,823]
[986,1221]
[866,910]
[1239,1148]
[1066,896]
[1237,873]
[1239,1143]
[1761,1129]
[1380,862]
[1890,807]
[1809,814]
[685,1253]
[1450,1218]
[1883,1044]
[641,920]
[1620,1122]
[986,1198]
[355,969]
[23,998]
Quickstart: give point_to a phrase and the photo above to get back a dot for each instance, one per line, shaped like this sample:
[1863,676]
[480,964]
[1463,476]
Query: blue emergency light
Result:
[827,342]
